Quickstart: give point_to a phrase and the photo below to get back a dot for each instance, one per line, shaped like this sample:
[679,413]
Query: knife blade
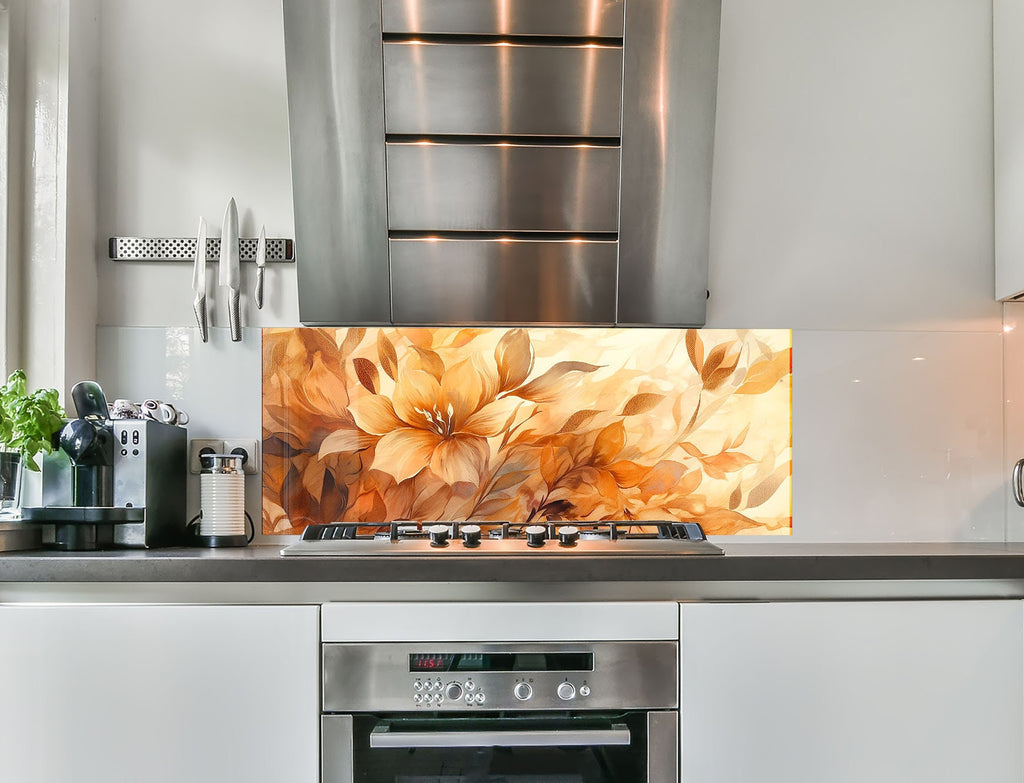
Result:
[199,282]
[229,272]
[261,262]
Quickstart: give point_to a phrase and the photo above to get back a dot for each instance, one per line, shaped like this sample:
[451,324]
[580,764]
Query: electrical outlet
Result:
[251,450]
[196,446]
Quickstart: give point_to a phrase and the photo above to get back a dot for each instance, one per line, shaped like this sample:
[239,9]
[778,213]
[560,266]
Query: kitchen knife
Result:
[261,262]
[199,281]
[229,274]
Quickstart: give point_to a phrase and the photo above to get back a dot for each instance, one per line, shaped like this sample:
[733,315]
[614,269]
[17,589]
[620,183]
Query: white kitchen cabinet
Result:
[161,694]
[852,692]
[1008,130]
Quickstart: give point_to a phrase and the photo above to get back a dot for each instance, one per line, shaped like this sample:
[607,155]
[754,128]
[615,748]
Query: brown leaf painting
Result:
[539,424]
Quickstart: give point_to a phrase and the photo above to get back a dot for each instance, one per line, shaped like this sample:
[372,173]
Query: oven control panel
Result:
[459,677]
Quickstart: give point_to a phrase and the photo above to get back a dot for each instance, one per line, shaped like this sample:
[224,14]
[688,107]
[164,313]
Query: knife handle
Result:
[199,306]
[258,294]
[234,317]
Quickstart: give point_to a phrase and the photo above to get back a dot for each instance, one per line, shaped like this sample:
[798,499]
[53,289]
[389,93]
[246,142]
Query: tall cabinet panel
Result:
[162,694]
[852,692]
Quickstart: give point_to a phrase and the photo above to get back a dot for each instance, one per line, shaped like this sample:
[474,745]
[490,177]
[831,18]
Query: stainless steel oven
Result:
[517,712]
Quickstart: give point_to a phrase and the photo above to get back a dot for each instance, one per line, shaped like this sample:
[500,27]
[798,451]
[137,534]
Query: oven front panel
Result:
[631,747]
[473,678]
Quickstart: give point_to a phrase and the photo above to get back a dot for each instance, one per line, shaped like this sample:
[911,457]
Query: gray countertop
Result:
[766,561]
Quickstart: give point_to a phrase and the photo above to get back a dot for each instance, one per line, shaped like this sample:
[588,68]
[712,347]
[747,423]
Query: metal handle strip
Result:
[1018,486]
[383,737]
[279,251]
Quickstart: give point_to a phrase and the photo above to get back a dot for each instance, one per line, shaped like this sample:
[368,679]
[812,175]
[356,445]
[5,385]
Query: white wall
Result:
[852,203]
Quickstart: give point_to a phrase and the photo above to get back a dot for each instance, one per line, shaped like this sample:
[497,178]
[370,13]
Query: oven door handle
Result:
[383,737]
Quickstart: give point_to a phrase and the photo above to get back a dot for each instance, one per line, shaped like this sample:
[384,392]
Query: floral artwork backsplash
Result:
[527,424]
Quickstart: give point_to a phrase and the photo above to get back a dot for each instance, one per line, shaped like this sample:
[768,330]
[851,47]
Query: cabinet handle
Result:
[1018,487]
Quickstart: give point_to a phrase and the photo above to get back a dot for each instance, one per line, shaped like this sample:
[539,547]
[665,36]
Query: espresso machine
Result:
[117,482]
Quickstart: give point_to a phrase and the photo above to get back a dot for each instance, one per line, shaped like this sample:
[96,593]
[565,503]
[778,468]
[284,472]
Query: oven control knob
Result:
[584,690]
[536,535]
[566,691]
[522,691]
[471,535]
[568,535]
[453,691]
[438,535]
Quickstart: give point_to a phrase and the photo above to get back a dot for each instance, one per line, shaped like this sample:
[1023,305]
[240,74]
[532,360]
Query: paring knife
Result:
[261,262]
[229,274]
[199,281]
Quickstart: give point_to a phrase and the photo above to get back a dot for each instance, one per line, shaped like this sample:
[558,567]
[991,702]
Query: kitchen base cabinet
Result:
[159,694]
[858,692]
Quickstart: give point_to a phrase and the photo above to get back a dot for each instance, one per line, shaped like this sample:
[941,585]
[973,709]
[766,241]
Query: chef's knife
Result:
[261,262]
[199,281]
[229,274]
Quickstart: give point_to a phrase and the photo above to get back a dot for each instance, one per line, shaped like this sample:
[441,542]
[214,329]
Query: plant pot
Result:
[11,469]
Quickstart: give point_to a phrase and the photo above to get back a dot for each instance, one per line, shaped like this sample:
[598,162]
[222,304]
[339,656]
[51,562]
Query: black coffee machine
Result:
[114,482]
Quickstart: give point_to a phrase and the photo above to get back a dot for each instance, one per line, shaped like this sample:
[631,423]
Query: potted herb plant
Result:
[28,423]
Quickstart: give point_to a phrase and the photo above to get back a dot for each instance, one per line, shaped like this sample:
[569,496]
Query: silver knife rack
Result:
[279,251]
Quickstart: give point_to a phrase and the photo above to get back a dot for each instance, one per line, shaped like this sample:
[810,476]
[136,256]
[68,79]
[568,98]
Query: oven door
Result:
[630,747]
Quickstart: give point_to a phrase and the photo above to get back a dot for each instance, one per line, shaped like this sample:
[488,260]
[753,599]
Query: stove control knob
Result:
[568,535]
[453,692]
[584,690]
[536,535]
[438,535]
[471,535]
[566,691]
[522,691]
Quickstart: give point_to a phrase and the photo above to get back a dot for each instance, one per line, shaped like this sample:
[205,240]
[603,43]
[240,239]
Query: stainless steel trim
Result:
[336,749]
[491,89]
[479,281]
[383,737]
[336,124]
[663,747]
[670,73]
[375,677]
[597,18]
[502,187]
[1018,482]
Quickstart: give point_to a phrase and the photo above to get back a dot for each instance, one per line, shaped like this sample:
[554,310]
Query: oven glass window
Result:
[482,759]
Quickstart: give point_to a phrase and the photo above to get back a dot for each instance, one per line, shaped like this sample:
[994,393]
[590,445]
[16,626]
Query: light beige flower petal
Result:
[490,420]
[462,458]
[375,414]
[405,452]
[415,392]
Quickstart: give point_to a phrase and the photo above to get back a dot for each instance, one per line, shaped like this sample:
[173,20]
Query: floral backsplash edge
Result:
[494,424]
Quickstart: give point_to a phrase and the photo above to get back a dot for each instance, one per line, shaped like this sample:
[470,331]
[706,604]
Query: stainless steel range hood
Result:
[502,161]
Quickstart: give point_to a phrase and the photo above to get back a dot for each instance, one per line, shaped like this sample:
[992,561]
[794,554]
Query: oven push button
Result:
[566,691]
[453,691]
[522,691]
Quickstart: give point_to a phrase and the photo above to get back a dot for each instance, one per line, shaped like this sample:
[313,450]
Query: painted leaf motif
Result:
[514,358]
[577,420]
[369,507]
[738,440]
[763,375]
[717,522]
[736,497]
[428,361]
[546,387]
[609,443]
[344,440]
[509,480]
[720,364]
[763,492]
[627,473]
[663,477]
[493,508]
[695,349]
[351,340]
[387,355]
[366,372]
[641,403]
[548,466]
[728,461]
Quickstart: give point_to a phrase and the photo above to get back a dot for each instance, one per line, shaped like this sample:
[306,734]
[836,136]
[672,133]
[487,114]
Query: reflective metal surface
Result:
[382,737]
[663,747]
[502,89]
[336,746]
[502,187]
[505,17]
[469,281]
[375,677]
[336,125]
[668,128]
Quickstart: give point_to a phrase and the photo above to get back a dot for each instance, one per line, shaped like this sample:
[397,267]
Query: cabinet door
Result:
[854,692]
[160,694]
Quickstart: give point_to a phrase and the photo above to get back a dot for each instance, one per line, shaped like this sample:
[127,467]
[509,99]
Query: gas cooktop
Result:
[503,538]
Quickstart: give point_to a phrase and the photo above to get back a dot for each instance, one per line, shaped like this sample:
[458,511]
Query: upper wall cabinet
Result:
[502,161]
[1008,104]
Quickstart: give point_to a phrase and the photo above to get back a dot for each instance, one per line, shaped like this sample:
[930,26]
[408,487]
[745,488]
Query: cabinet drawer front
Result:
[502,187]
[501,17]
[502,281]
[502,89]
